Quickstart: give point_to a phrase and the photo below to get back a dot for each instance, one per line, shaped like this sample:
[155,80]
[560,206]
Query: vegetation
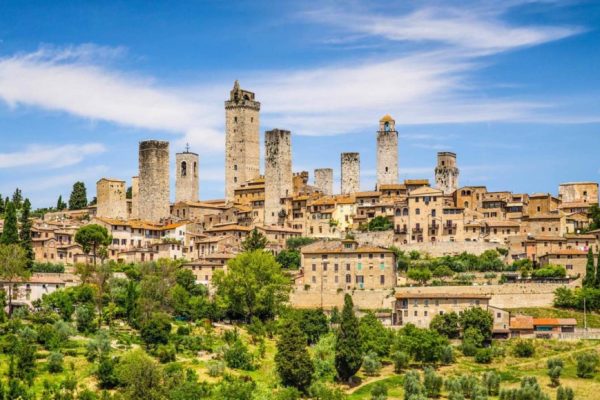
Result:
[348,350]
[78,198]
[255,241]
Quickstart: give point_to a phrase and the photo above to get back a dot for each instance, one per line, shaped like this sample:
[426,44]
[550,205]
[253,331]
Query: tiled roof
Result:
[554,321]
[521,322]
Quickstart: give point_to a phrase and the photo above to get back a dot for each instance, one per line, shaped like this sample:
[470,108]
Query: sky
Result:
[513,87]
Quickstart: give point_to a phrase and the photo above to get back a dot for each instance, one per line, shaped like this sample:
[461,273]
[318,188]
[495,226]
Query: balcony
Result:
[448,227]
[400,231]
[418,229]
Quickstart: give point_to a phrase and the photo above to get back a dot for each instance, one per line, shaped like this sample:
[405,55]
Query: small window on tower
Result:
[234,119]
[386,169]
[251,119]
[183,168]
[235,167]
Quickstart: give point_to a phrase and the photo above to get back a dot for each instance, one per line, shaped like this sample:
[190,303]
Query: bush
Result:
[555,366]
[412,385]
[166,353]
[565,393]
[491,382]
[447,356]
[288,393]
[433,383]
[483,356]
[401,360]
[237,356]
[524,349]
[55,363]
[379,391]
[371,364]
[106,374]
[587,364]
[216,368]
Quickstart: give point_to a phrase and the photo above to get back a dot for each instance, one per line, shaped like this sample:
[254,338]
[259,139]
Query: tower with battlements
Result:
[154,192]
[242,147]
[446,172]
[278,173]
[350,173]
[387,152]
[186,180]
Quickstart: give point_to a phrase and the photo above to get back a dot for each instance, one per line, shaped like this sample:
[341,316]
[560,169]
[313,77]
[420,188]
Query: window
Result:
[314,267]
[183,168]
[425,313]
[416,313]
[418,211]
[348,278]
[426,302]
[314,279]
[382,279]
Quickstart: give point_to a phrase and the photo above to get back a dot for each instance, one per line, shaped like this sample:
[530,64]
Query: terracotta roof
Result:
[367,194]
[577,204]
[521,322]
[566,252]
[441,296]
[392,186]
[386,118]
[554,321]
[413,182]
[425,190]
[336,247]
[231,227]
[503,223]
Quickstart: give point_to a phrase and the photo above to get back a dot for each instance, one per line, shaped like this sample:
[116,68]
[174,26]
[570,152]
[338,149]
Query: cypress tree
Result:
[17,198]
[348,346]
[590,272]
[255,241]
[2,204]
[25,233]
[78,199]
[60,204]
[10,232]
[292,360]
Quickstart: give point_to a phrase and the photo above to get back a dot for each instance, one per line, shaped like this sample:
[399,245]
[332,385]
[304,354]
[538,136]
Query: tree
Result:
[55,362]
[289,259]
[254,285]
[379,391]
[446,324]
[295,243]
[17,198]
[380,223]
[524,349]
[597,283]
[25,234]
[313,323]
[348,346]
[141,376]
[129,193]
[91,237]
[589,280]
[419,274]
[555,366]
[13,267]
[10,231]
[156,331]
[375,337]
[442,271]
[292,360]
[479,319]
[424,345]
[255,241]
[60,204]
[412,386]
[433,383]
[78,199]
[565,393]
[587,363]
[371,363]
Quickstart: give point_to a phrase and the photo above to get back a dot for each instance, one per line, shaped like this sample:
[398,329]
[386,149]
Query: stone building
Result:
[350,173]
[186,180]
[324,180]
[154,188]
[242,147]
[387,152]
[446,172]
[278,173]
[578,192]
[111,198]
[135,197]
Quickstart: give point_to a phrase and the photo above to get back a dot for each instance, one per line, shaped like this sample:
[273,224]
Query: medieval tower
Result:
[242,147]
[186,181]
[278,173]
[324,180]
[350,173]
[111,199]
[153,201]
[387,152]
[446,172]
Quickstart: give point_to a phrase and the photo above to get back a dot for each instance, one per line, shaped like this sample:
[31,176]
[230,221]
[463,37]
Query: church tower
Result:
[242,147]
[186,181]
[387,152]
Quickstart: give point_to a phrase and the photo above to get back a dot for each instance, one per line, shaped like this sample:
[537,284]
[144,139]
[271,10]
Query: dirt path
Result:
[385,373]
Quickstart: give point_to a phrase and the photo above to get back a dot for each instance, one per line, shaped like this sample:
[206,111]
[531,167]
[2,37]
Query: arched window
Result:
[398,212]
[183,168]
[466,204]
[195,168]
[405,212]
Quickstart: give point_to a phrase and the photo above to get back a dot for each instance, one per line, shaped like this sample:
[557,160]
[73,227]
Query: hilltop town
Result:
[356,236]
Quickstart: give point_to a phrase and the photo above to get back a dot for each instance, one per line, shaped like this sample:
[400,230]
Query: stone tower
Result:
[186,181]
[135,197]
[153,202]
[242,147]
[387,152]
[324,180]
[111,199]
[350,173]
[278,173]
[446,172]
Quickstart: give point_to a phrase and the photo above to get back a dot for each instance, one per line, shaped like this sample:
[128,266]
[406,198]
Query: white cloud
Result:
[50,156]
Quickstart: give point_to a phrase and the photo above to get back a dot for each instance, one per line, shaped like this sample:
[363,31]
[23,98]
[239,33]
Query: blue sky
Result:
[513,87]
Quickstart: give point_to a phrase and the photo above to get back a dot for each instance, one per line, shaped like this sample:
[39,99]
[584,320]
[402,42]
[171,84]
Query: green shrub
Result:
[55,363]
[166,353]
[491,382]
[555,366]
[371,364]
[565,393]
[524,349]
[433,383]
[447,355]
[586,364]
[216,368]
[483,356]
[237,356]
[379,391]
[401,361]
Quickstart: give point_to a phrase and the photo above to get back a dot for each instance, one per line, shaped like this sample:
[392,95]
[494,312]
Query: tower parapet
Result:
[446,172]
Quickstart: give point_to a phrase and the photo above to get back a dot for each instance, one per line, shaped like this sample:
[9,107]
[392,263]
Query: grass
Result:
[593,319]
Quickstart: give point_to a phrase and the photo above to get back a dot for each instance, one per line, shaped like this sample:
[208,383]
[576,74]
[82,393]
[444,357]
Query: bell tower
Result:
[387,152]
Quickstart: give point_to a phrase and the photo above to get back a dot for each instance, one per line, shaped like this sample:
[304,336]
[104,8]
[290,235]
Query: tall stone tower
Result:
[387,151]
[135,197]
[446,172]
[278,172]
[153,203]
[111,199]
[324,180]
[186,181]
[242,147]
[350,173]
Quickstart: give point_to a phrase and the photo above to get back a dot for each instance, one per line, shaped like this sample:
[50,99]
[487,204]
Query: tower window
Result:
[386,169]
[251,119]
[234,119]
[235,167]
[195,168]
[183,168]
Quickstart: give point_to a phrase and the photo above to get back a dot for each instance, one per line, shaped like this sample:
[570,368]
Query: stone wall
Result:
[186,180]
[242,140]
[578,192]
[111,199]
[324,180]
[154,191]
[363,299]
[446,172]
[135,197]
[350,173]
[278,172]
[387,157]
